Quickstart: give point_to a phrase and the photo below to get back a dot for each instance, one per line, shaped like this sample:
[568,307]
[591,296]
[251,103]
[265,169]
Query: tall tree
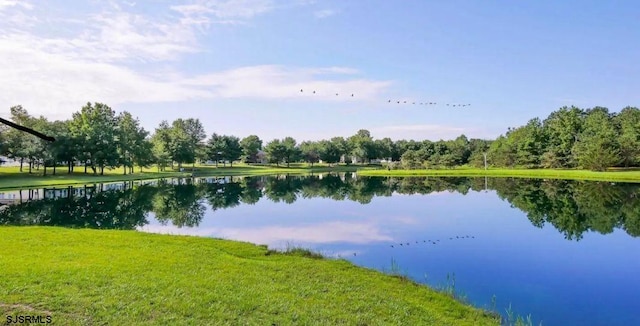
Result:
[561,129]
[597,147]
[251,145]
[362,145]
[627,123]
[232,149]
[329,151]
[95,127]
[310,151]
[276,151]
[292,152]
[215,148]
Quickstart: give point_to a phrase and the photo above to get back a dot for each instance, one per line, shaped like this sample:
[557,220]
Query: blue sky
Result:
[239,65]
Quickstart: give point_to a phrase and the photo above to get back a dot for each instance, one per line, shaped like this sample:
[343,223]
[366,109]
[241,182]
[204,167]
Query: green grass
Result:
[101,277]
[619,175]
[11,177]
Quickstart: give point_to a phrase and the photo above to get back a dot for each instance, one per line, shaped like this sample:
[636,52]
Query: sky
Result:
[239,65]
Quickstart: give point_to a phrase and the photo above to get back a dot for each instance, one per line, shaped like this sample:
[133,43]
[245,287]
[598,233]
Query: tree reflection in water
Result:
[572,207]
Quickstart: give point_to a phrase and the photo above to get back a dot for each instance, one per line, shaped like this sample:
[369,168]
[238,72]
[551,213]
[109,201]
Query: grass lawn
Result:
[98,277]
[619,175]
[11,177]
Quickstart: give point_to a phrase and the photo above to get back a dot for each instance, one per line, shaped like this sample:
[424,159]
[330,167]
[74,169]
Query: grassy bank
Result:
[11,177]
[618,175]
[127,277]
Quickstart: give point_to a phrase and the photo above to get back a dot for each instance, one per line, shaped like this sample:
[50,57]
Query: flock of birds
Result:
[433,241]
[403,101]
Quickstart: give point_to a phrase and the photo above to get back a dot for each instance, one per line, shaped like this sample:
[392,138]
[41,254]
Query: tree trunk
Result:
[30,165]
[124,166]
[54,169]
[85,167]
[21,162]
[45,169]
[102,170]
[94,170]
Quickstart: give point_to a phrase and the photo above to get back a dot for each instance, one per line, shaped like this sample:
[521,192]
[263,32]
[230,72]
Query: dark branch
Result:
[27,130]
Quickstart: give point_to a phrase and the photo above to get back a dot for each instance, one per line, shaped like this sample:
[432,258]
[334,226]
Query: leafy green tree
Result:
[131,141]
[561,129]
[215,148]
[502,153]
[329,151]
[292,152]
[251,145]
[276,151]
[95,128]
[362,145]
[310,151]
[342,146]
[232,151]
[597,147]
[627,123]
[161,145]
[411,159]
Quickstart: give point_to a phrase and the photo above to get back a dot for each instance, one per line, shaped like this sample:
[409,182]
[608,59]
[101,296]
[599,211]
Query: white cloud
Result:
[270,81]
[15,3]
[102,58]
[324,13]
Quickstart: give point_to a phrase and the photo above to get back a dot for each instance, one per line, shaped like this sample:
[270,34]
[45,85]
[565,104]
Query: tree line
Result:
[98,138]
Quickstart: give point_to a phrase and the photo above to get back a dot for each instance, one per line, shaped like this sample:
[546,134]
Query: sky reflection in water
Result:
[563,273]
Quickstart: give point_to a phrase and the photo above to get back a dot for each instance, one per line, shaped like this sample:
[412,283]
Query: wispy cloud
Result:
[118,56]
[324,13]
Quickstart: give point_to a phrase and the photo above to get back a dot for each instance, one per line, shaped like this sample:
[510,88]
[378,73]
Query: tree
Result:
[627,124]
[131,141]
[215,148]
[310,152]
[342,145]
[411,159]
[329,151]
[250,147]
[561,129]
[161,145]
[362,145]
[292,152]
[597,147]
[95,128]
[232,151]
[276,151]
[183,143]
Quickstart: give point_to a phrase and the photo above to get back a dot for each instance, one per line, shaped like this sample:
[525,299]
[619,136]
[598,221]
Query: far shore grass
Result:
[106,277]
[611,175]
[12,178]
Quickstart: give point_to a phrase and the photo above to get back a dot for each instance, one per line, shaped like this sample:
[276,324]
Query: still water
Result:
[565,252]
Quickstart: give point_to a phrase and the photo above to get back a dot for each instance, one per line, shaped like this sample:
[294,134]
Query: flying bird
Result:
[301,91]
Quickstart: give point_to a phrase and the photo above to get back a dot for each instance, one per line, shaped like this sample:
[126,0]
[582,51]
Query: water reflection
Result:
[572,207]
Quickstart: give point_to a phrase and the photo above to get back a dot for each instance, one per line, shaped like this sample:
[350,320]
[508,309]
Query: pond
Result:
[564,252]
